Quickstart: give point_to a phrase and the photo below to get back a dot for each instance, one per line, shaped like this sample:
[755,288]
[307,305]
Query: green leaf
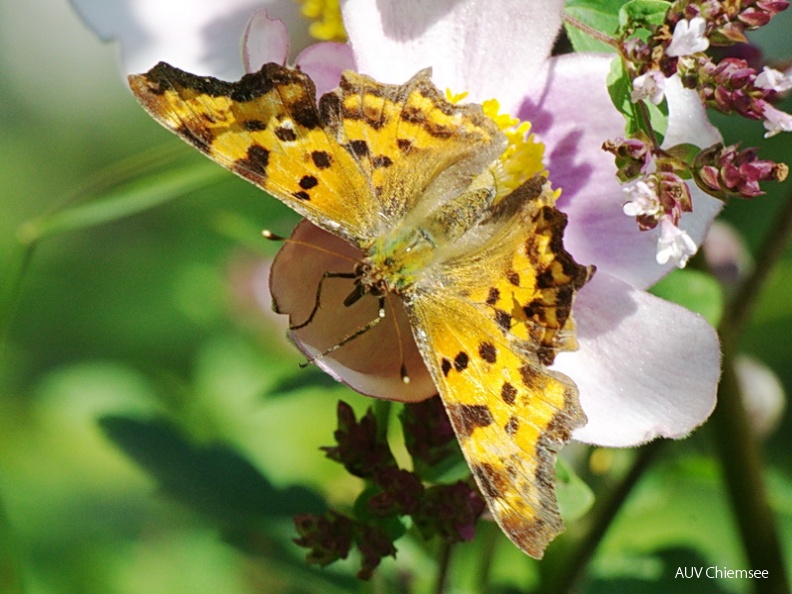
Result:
[686,153]
[643,12]
[136,196]
[658,119]
[695,290]
[575,497]
[214,479]
[601,15]
[619,88]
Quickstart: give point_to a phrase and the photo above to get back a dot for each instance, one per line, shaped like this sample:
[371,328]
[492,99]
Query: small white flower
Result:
[688,38]
[674,244]
[650,85]
[776,121]
[774,80]
[643,199]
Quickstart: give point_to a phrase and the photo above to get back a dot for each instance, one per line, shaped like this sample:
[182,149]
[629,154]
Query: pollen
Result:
[327,23]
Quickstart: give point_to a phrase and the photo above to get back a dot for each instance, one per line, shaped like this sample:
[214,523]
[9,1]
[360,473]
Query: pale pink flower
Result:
[645,367]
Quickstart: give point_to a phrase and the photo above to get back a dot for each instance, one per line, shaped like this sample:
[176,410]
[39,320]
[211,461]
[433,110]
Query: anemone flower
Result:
[644,367]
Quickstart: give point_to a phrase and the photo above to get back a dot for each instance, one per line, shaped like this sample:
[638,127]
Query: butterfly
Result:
[403,175]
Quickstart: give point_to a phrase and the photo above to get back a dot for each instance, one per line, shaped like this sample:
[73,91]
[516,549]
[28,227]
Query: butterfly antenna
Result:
[269,235]
[402,368]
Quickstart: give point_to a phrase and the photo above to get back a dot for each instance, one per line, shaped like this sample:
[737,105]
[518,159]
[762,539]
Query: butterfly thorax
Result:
[396,260]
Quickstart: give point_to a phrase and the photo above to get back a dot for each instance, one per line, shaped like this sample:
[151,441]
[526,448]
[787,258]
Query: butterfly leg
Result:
[360,331]
[315,309]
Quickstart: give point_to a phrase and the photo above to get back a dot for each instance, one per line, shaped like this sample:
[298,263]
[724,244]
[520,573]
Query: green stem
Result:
[590,31]
[488,536]
[738,448]
[568,563]
[10,573]
[11,285]
[742,468]
[382,411]
[444,563]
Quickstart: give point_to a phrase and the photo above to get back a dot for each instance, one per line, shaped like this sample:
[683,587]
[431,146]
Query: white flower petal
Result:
[674,245]
[484,47]
[200,36]
[774,80]
[650,85]
[776,121]
[324,62]
[645,368]
[688,38]
[265,40]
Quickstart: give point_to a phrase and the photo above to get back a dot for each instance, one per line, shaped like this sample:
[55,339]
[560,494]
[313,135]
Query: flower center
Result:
[523,157]
[327,23]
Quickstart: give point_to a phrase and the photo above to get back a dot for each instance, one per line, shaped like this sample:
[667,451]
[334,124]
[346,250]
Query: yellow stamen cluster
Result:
[326,14]
[523,156]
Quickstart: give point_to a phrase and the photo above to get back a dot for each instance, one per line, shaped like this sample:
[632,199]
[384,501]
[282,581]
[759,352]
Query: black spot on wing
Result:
[255,163]
[254,125]
[466,418]
[503,319]
[508,393]
[321,159]
[545,279]
[488,352]
[493,296]
[461,361]
[492,482]
[285,134]
[381,161]
[359,148]
[404,144]
[308,181]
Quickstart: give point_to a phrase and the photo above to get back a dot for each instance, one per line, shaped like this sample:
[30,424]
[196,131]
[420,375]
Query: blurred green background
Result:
[146,402]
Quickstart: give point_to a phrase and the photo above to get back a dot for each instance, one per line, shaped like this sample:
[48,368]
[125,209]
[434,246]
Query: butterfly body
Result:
[403,176]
